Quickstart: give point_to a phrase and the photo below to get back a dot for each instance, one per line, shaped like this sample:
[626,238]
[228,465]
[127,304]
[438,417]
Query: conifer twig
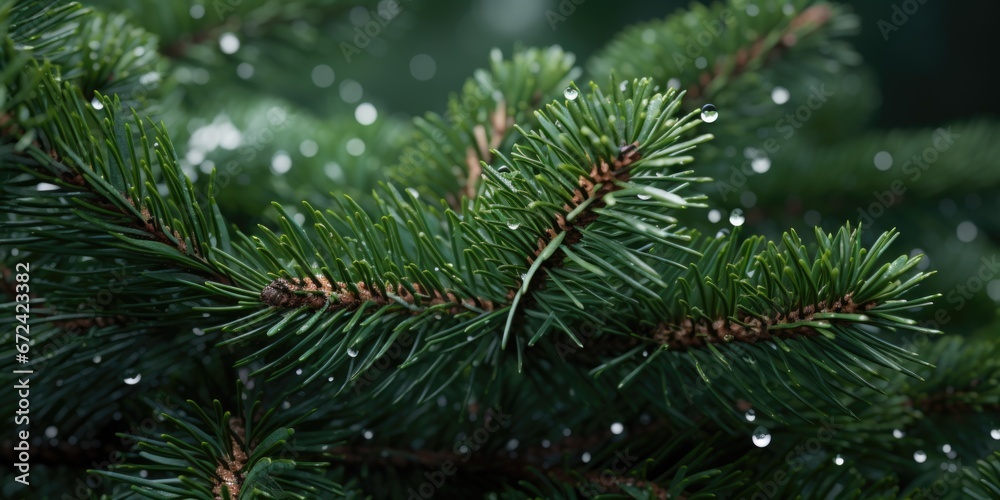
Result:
[693,334]
[321,293]
[809,19]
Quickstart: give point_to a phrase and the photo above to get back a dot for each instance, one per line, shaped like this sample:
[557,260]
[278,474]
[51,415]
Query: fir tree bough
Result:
[519,299]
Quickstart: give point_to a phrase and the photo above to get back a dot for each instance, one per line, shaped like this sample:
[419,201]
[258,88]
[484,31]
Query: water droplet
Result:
[51,431]
[281,162]
[512,444]
[566,431]
[709,113]
[365,113]
[883,160]
[329,379]
[97,359]
[761,437]
[355,147]
[97,104]
[751,415]
[995,434]
[839,460]
[369,434]
[586,457]
[423,67]
[919,456]
[617,428]
[966,231]
[946,448]
[644,196]
[623,85]
[133,380]
[513,224]
[298,371]
[229,43]
[722,233]
[352,353]
[780,95]
[503,169]
[736,217]
[714,215]
[674,83]
[898,433]
[546,443]
[760,164]
[469,338]
[570,93]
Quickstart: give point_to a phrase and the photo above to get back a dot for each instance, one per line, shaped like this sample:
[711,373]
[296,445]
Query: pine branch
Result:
[585,206]
[224,456]
[385,266]
[690,334]
[763,50]
[738,56]
[808,309]
[282,293]
[181,32]
[741,43]
[448,151]
[965,383]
